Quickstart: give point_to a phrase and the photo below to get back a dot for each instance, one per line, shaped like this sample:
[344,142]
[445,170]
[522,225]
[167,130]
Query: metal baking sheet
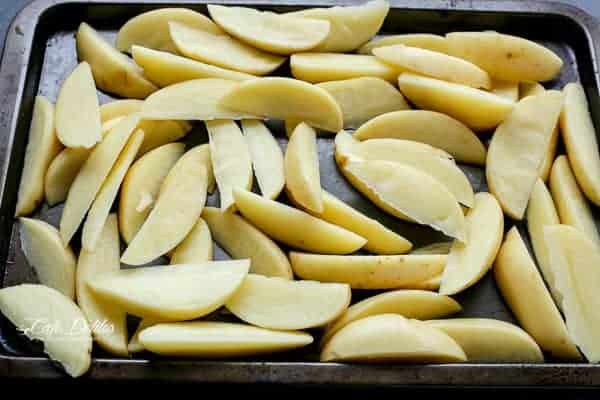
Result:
[40,52]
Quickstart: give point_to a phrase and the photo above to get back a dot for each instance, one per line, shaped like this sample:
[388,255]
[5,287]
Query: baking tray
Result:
[40,52]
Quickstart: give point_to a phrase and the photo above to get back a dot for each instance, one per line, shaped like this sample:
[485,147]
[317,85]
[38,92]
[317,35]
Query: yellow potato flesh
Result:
[509,90]
[468,263]
[420,40]
[324,67]
[134,345]
[530,89]
[119,108]
[62,172]
[240,239]
[158,133]
[197,247]
[434,248]
[518,148]
[289,225]
[522,287]
[278,303]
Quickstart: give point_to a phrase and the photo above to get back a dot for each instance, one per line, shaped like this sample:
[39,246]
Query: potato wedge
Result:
[421,40]
[45,314]
[505,57]
[324,67]
[166,226]
[429,127]
[468,263]
[196,248]
[490,340]
[478,109]
[267,158]
[391,338]
[299,305]
[289,225]
[518,148]
[417,304]
[368,272]
[508,90]
[285,98]
[242,240]
[134,345]
[158,133]
[78,92]
[433,248]
[265,30]
[119,108]
[530,89]
[109,322]
[351,26]
[113,71]
[516,275]
[42,148]
[218,339]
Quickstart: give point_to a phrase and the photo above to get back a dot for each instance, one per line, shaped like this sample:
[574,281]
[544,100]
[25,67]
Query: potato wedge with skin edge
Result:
[429,127]
[241,239]
[515,274]
[490,340]
[267,31]
[421,40]
[42,147]
[478,109]
[391,338]
[368,272]
[288,225]
[468,263]
[158,133]
[509,90]
[134,345]
[119,108]
[299,305]
[197,247]
[52,315]
[218,339]
[78,92]
[417,304]
[430,284]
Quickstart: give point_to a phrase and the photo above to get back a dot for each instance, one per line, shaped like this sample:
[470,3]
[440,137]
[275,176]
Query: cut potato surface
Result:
[241,239]
[158,133]
[324,67]
[285,98]
[197,247]
[218,339]
[518,148]
[265,30]
[420,40]
[277,303]
[508,90]
[478,109]
[434,248]
[62,172]
[119,108]
[368,272]
[134,345]
[530,89]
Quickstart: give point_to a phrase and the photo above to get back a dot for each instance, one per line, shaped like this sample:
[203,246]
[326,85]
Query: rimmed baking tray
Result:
[40,52]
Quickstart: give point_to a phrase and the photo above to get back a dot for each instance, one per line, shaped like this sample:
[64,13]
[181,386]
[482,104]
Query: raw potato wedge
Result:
[364,98]
[406,192]
[508,90]
[505,57]
[54,263]
[113,71]
[420,40]
[158,133]
[302,177]
[100,208]
[435,129]
[166,69]
[222,50]
[285,98]
[580,140]
[267,158]
[417,304]
[468,263]
[368,272]
[299,304]
[187,291]
[100,314]
[119,108]
[530,89]
[489,340]
[571,205]
[518,148]
[516,275]
[151,29]
[143,181]
[198,99]
[45,314]
[90,178]
[434,64]
[196,248]
[351,26]
[391,338]
[265,30]
[179,204]
[289,225]
[134,345]
[42,148]
[230,158]
[324,67]
[434,248]
[574,261]
[478,109]
[78,92]
[218,339]
[241,239]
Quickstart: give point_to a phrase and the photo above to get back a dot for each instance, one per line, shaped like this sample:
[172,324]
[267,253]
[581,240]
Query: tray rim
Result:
[13,68]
